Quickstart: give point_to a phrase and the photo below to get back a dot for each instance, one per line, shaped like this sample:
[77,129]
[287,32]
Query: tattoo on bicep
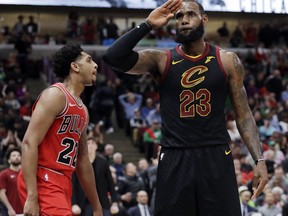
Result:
[149,63]
[238,66]
[237,90]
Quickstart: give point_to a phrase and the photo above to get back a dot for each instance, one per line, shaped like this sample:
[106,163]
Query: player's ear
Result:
[205,19]
[74,66]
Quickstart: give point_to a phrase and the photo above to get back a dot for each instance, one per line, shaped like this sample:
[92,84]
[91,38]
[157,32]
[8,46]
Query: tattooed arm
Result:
[244,118]
[153,61]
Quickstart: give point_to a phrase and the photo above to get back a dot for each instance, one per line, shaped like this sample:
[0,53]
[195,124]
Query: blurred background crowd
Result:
[124,109]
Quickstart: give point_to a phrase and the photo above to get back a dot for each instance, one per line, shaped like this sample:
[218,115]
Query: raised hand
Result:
[161,15]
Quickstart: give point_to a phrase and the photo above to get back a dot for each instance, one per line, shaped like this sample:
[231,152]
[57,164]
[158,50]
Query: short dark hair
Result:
[201,8]
[62,59]
[93,139]
[8,153]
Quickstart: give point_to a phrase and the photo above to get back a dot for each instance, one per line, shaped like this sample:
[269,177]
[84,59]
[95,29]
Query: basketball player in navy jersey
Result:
[55,143]
[196,175]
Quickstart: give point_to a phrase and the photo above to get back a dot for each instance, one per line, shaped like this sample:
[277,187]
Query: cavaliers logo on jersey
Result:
[186,80]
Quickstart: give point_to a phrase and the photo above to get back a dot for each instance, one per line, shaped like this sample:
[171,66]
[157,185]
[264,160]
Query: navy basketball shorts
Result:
[196,182]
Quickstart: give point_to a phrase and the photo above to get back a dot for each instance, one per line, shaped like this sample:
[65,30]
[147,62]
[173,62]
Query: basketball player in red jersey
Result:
[55,141]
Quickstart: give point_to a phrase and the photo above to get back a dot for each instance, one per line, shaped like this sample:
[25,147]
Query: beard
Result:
[191,37]
[15,163]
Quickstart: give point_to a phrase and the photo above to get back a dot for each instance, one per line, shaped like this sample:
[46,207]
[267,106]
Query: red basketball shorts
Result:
[54,192]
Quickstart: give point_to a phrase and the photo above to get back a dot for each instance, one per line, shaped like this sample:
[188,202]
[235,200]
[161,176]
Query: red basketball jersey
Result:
[58,150]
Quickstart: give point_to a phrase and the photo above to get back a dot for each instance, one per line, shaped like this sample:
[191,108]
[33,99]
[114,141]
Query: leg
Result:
[107,115]
[87,210]
[106,212]
[196,182]
[148,147]
[175,190]
[216,188]
[54,193]
[4,210]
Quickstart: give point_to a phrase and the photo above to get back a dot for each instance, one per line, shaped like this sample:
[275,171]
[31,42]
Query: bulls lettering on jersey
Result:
[72,124]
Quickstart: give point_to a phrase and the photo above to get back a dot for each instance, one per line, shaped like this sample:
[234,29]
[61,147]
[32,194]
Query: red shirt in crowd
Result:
[8,181]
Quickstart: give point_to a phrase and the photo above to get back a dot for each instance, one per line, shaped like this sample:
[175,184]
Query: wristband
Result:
[258,160]
[145,27]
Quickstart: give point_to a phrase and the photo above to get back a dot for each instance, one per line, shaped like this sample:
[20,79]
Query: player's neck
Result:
[194,49]
[15,168]
[73,87]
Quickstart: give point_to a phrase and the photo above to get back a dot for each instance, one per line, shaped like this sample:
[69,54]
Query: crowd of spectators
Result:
[135,103]
[104,30]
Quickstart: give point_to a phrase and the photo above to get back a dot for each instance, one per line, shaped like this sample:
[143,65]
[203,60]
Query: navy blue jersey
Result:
[193,93]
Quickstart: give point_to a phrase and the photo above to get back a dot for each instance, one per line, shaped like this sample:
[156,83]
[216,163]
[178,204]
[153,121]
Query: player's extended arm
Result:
[86,177]
[41,120]
[244,118]
[121,56]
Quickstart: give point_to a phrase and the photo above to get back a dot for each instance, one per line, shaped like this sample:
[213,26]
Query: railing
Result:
[39,50]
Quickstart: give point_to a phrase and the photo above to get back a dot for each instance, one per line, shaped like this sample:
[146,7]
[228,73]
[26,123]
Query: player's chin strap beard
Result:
[192,37]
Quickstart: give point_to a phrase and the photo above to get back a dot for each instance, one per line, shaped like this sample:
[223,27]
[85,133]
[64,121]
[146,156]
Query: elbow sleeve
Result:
[120,55]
